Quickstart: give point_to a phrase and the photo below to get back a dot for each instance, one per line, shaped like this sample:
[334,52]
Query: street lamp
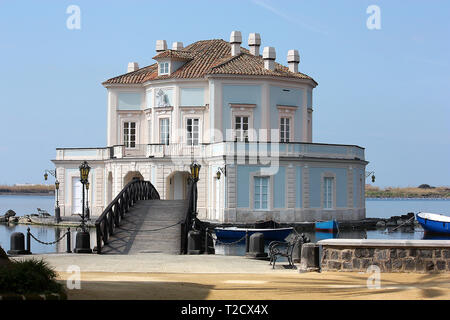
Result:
[87,201]
[83,243]
[57,209]
[371,173]
[195,172]
[57,193]
[220,171]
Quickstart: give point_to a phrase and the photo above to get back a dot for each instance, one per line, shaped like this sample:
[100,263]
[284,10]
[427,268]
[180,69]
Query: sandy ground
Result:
[277,286]
[159,276]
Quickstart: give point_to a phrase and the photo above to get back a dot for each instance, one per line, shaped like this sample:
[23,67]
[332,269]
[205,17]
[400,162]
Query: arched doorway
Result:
[177,185]
[132,175]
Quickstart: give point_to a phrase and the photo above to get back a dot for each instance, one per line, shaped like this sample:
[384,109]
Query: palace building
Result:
[244,117]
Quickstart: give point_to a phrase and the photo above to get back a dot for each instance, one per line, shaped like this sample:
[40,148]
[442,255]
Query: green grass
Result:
[29,277]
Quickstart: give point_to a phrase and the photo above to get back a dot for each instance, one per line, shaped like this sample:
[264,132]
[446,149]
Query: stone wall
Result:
[431,256]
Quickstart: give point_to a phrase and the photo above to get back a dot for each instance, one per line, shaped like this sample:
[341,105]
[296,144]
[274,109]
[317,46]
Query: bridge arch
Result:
[132,175]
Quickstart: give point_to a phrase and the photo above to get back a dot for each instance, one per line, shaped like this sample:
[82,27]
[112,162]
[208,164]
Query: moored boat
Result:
[327,226]
[434,222]
[237,233]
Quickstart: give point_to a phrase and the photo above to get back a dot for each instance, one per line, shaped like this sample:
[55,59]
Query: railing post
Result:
[99,238]
[206,241]
[69,242]
[28,241]
[247,242]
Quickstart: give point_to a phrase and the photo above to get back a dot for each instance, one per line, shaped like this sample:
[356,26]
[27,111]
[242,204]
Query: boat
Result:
[229,233]
[434,222]
[327,226]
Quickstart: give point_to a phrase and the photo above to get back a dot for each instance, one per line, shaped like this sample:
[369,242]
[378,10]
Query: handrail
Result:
[110,218]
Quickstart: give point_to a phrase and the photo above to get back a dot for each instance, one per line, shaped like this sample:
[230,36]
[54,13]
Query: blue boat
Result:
[434,222]
[327,226]
[231,233]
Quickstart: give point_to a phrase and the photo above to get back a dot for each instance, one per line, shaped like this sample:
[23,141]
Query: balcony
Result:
[220,149]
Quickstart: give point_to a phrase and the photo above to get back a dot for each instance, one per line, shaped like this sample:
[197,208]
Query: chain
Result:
[173,225]
[48,243]
[228,243]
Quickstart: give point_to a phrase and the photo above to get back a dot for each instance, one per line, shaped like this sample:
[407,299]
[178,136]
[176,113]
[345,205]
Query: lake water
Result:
[375,208]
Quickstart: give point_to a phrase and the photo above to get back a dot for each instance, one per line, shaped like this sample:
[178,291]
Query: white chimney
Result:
[235,41]
[161,45]
[254,42]
[132,66]
[177,45]
[293,59]
[269,57]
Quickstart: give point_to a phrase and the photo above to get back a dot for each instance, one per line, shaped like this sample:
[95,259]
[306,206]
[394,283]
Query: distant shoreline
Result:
[27,194]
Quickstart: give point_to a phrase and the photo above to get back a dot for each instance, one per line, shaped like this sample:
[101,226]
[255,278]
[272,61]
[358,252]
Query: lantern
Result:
[84,172]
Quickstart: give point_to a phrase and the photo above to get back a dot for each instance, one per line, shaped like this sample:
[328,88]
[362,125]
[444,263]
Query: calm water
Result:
[376,208]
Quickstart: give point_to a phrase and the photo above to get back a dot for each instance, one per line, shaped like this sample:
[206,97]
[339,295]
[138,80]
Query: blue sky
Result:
[387,90]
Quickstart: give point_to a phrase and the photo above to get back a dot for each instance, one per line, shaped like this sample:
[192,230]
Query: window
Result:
[192,131]
[163,68]
[328,193]
[129,134]
[284,130]
[164,131]
[261,193]
[241,129]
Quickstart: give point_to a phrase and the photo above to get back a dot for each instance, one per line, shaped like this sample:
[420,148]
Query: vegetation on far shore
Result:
[422,191]
[32,188]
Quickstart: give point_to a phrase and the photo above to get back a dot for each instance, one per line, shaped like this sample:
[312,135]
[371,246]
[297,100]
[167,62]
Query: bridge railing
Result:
[113,214]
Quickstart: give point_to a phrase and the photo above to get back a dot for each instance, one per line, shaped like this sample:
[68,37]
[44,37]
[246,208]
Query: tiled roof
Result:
[175,54]
[207,57]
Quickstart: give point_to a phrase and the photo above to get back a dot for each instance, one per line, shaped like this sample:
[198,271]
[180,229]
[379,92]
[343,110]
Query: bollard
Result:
[256,246]
[247,241]
[69,244]
[297,251]
[309,260]
[17,245]
[83,242]
[28,240]
[194,242]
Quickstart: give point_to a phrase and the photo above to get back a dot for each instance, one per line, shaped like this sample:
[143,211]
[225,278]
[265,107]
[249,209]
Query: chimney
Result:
[177,45]
[161,45]
[132,66]
[269,56]
[254,42]
[293,59]
[235,41]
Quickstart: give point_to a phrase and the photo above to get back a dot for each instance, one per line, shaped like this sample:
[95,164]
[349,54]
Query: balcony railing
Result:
[219,149]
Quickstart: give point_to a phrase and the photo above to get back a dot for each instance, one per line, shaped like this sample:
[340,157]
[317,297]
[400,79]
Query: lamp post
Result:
[195,172]
[83,243]
[57,209]
[87,201]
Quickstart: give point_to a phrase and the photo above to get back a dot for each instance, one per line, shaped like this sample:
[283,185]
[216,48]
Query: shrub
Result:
[29,277]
